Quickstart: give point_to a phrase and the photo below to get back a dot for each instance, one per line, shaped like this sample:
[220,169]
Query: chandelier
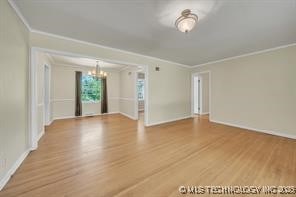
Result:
[97,72]
[186,21]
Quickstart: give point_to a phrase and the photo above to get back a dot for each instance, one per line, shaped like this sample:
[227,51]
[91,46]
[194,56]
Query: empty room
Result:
[148,98]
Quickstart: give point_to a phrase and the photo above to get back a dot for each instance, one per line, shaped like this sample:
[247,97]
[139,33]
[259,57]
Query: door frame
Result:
[47,106]
[32,90]
[136,96]
[192,92]
[199,94]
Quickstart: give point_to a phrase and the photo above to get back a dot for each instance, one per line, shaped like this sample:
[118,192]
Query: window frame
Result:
[90,101]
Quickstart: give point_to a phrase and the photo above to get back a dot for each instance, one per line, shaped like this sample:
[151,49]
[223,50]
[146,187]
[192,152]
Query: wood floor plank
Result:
[115,156]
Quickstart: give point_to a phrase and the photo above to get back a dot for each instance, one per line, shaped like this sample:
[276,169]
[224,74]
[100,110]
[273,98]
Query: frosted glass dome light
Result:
[186,21]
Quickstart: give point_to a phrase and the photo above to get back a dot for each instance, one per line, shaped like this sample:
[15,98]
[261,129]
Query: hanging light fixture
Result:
[97,72]
[186,21]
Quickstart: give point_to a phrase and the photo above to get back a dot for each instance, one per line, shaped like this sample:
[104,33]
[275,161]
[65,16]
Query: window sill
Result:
[91,102]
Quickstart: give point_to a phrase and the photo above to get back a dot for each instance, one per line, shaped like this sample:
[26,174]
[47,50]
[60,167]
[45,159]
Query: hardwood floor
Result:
[114,156]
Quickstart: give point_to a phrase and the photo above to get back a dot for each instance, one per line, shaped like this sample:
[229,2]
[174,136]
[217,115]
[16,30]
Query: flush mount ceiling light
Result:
[98,73]
[186,21]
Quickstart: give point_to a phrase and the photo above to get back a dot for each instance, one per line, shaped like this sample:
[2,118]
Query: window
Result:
[140,86]
[90,89]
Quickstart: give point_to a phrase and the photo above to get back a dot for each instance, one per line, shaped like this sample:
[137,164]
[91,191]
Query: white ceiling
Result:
[79,61]
[225,29]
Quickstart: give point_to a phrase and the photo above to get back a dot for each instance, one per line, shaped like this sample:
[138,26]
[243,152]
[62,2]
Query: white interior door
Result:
[196,95]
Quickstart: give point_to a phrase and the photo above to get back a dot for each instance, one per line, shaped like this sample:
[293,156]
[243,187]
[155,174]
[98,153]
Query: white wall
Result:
[127,101]
[169,93]
[257,91]
[63,92]
[14,59]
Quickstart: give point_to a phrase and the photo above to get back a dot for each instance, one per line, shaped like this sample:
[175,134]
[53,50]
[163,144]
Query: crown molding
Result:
[20,15]
[15,8]
[86,67]
[51,60]
[245,55]
[54,62]
[18,12]
[124,68]
[106,47]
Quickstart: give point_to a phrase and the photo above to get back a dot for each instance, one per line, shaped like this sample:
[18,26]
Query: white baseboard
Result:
[204,113]
[49,123]
[13,168]
[62,117]
[170,120]
[256,130]
[40,135]
[129,116]
[69,117]
[114,112]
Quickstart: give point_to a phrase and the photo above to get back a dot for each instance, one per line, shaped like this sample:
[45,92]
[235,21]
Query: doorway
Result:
[140,89]
[196,92]
[201,93]
[33,102]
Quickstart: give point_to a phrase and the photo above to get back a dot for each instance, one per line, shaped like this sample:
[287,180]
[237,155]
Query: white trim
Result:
[40,135]
[85,115]
[107,69]
[20,15]
[65,53]
[91,102]
[14,6]
[106,47]
[13,168]
[129,116]
[200,94]
[83,67]
[50,121]
[61,100]
[113,98]
[91,114]
[276,133]
[146,96]
[64,117]
[127,99]
[167,121]
[124,68]
[210,93]
[136,103]
[109,98]
[73,66]
[51,60]
[40,104]
[47,111]
[33,124]
[245,55]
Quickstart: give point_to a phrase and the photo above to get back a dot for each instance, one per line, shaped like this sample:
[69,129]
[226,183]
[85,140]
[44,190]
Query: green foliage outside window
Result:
[90,89]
